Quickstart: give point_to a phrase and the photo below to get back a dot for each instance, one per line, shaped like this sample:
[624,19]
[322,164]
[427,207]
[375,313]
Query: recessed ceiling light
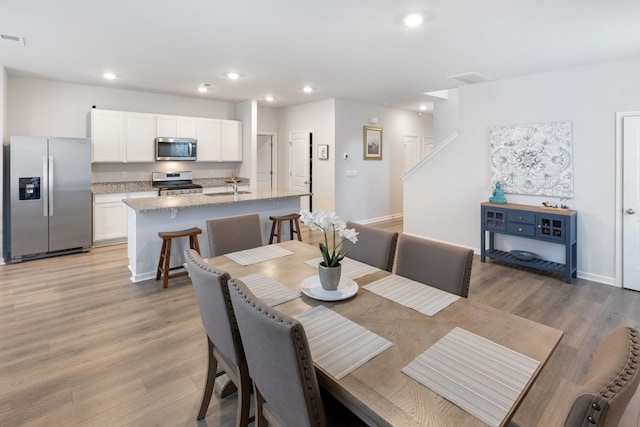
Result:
[307,89]
[109,76]
[413,20]
[203,88]
[269,98]
[423,107]
[233,76]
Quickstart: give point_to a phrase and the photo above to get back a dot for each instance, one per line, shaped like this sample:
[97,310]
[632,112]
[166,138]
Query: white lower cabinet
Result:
[109,219]
[110,216]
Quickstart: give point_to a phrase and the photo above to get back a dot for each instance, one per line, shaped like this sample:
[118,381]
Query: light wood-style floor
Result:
[80,345]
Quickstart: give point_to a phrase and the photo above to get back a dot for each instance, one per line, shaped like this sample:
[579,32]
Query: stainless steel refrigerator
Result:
[47,197]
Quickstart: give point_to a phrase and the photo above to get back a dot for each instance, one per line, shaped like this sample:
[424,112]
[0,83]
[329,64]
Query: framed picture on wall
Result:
[323,152]
[372,143]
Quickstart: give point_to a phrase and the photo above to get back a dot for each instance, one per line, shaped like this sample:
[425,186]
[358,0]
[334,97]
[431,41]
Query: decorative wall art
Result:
[533,159]
[372,143]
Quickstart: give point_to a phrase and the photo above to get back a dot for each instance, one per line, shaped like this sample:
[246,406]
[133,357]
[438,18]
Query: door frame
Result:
[274,157]
[619,197]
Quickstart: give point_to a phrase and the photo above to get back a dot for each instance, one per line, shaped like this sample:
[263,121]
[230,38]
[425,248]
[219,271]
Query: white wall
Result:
[268,119]
[45,107]
[247,112]
[268,122]
[442,199]
[376,191]
[318,118]
[445,117]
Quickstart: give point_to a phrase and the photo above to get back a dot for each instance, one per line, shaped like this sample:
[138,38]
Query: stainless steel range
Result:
[174,183]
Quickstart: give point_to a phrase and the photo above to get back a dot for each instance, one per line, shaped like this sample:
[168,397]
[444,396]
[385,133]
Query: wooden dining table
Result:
[378,392]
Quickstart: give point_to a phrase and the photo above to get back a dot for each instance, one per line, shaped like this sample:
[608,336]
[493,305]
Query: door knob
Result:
[306,182]
[630,211]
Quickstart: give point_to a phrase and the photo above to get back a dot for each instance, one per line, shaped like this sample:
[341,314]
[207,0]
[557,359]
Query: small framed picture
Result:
[323,152]
[372,143]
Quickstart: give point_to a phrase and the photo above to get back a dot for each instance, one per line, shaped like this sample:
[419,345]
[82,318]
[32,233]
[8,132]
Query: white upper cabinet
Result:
[208,134]
[119,136]
[107,136]
[186,127]
[166,126]
[175,126]
[140,134]
[231,141]
[219,140]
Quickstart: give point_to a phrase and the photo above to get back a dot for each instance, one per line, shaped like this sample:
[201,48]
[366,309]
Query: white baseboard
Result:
[381,218]
[611,281]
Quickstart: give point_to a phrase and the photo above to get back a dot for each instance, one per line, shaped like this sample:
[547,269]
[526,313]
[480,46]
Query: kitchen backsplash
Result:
[118,172]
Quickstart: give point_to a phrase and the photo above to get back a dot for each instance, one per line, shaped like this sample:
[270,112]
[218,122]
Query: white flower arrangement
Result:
[329,223]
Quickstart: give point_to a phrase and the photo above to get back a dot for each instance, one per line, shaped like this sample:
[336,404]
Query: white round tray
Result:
[311,287]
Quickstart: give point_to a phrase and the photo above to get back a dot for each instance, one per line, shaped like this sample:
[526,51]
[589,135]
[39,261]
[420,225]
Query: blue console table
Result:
[544,224]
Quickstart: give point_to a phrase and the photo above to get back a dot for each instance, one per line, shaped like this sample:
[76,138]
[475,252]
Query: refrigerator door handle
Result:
[45,186]
[50,186]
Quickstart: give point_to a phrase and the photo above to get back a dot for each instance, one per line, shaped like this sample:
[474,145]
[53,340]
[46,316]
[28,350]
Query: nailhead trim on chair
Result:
[300,344]
[227,300]
[609,392]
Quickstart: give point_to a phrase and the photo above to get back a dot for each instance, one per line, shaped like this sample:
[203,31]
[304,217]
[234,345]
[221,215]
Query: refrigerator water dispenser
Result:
[29,188]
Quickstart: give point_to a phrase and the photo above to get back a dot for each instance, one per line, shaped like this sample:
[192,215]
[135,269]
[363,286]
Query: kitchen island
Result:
[150,215]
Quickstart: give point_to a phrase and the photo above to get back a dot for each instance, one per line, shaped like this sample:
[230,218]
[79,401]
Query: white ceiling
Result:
[353,49]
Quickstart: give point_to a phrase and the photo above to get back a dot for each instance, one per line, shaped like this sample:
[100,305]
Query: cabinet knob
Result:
[539,226]
[520,218]
[630,211]
[519,228]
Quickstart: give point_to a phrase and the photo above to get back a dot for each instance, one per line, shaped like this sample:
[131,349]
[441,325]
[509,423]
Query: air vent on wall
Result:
[9,39]
[470,78]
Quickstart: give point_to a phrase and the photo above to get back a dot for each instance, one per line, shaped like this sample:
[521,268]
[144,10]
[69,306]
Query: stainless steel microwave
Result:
[176,148]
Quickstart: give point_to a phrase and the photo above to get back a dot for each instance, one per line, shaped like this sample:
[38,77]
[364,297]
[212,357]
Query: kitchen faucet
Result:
[234,186]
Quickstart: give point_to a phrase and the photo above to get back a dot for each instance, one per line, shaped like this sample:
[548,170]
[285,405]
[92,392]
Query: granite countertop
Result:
[151,204]
[137,186]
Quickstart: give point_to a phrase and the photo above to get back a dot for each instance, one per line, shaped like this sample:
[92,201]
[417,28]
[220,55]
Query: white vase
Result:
[329,276]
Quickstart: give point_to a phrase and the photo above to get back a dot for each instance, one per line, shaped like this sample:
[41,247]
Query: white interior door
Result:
[631,203]
[427,146]
[411,155]
[265,164]
[300,177]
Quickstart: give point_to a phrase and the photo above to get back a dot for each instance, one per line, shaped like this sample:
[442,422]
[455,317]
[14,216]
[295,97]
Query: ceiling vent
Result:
[470,78]
[11,40]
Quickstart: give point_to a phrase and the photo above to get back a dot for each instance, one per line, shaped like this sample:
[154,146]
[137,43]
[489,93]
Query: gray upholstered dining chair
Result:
[234,233]
[223,338]
[374,246]
[286,390]
[611,382]
[436,264]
